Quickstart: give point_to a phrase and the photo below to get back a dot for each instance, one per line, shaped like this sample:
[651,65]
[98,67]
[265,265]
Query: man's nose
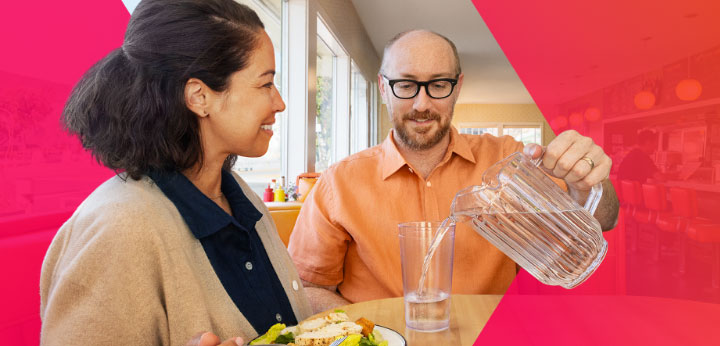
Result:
[422,100]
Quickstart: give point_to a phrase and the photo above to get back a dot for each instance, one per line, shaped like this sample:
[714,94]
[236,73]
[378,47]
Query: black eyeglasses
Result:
[435,88]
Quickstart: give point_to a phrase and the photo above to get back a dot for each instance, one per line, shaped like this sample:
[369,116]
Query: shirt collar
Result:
[393,160]
[460,145]
[202,215]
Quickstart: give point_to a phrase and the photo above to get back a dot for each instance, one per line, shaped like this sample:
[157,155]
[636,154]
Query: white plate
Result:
[394,338]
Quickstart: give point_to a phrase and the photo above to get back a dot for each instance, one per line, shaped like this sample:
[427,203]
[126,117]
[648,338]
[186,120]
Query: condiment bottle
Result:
[279,194]
[268,195]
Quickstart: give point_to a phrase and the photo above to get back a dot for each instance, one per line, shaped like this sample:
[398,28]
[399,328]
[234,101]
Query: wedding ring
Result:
[589,161]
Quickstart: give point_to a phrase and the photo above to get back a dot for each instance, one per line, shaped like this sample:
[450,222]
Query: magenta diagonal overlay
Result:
[589,320]
[44,173]
[620,71]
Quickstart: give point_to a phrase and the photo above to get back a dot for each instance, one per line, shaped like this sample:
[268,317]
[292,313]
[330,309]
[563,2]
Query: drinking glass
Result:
[427,307]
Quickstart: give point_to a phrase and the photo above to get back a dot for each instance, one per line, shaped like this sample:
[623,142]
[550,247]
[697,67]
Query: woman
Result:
[175,244]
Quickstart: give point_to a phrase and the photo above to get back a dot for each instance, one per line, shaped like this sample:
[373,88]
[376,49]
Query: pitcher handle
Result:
[538,161]
[593,197]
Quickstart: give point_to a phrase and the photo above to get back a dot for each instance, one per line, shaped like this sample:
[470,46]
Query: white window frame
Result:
[301,85]
[360,124]
[503,125]
[341,91]
[284,82]
[374,113]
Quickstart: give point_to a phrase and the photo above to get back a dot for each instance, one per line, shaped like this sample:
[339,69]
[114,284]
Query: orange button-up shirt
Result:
[347,231]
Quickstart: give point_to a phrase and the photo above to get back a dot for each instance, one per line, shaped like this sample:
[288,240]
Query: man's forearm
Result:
[608,207]
[323,298]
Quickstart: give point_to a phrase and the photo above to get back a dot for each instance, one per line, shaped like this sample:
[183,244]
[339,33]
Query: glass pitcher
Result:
[522,212]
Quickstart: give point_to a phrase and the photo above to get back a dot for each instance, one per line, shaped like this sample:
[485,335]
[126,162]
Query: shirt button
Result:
[411,170]
[248,265]
[295,285]
[278,317]
[428,184]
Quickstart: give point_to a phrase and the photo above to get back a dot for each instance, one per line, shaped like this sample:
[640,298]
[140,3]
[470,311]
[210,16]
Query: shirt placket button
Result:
[278,317]
[248,265]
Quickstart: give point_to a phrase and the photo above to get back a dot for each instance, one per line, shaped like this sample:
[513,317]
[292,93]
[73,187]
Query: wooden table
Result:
[468,315]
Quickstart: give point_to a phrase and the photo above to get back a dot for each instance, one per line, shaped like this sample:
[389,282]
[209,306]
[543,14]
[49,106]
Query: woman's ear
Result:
[196,97]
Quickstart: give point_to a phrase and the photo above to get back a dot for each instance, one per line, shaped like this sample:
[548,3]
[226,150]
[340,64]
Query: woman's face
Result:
[241,117]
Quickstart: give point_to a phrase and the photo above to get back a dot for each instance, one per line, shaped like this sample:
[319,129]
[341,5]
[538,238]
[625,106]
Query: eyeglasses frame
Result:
[392,82]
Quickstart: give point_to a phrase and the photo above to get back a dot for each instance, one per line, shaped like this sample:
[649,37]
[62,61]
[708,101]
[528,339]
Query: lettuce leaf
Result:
[270,336]
[352,340]
[285,339]
[367,342]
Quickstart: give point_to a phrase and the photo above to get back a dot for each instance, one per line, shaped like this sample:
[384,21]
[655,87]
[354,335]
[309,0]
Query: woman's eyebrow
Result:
[268,72]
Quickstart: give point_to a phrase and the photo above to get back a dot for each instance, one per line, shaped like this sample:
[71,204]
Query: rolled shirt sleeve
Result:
[318,244]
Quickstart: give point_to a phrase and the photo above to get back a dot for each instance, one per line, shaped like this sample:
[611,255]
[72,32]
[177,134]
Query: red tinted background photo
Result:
[642,78]
[610,70]
[44,173]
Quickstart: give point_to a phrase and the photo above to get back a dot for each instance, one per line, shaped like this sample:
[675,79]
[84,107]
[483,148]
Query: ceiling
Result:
[489,77]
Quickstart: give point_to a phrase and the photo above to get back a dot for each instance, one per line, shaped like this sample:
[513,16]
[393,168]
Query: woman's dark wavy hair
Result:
[129,109]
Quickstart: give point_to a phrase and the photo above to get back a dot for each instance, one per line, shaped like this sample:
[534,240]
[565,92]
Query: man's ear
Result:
[460,82]
[196,97]
[381,86]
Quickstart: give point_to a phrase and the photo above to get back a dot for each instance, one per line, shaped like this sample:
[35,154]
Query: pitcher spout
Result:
[469,203]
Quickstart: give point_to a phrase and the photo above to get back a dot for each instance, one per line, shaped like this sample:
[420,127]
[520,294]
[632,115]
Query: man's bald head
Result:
[417,35]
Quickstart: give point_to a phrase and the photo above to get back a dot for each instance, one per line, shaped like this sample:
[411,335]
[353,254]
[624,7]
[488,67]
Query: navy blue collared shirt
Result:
[233,247]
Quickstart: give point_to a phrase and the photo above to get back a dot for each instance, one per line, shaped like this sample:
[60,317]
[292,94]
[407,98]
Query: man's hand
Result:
[210,339]
[574,158]
[582,164]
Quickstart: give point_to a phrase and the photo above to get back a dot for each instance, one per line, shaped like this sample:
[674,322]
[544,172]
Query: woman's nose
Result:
[279,103]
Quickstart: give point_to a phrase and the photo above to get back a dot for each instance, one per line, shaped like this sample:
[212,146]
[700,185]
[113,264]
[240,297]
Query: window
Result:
[479,130]
[522,132]
[332,122]
[525,134]
[359,115]
[324,98]
[258,172]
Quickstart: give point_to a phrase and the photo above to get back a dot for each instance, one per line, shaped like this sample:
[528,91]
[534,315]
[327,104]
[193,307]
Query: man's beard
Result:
[415,140]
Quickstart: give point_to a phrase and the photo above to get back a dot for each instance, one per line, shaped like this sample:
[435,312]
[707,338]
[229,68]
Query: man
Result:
[637,164]
[346,237]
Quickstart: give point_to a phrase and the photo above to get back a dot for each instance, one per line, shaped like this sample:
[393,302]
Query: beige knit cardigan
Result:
[125,269]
